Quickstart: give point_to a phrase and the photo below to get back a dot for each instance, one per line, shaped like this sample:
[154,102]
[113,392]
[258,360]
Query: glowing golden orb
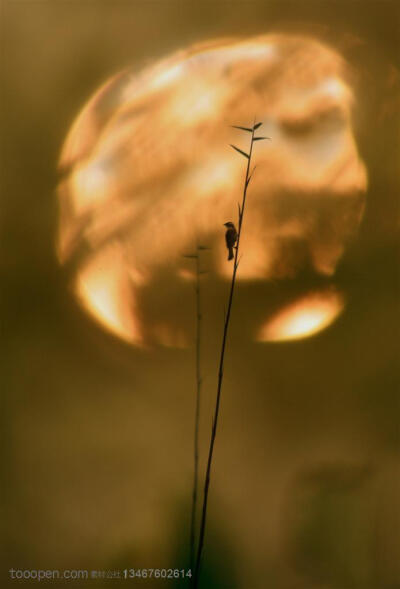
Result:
[148,171]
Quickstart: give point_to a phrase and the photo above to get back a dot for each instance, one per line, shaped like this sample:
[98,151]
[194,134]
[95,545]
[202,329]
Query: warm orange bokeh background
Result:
[97,435]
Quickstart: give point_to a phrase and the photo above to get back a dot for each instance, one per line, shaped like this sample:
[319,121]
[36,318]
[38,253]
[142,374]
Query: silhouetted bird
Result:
[230,238]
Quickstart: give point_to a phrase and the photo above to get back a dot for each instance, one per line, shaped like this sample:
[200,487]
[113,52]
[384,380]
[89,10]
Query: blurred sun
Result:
[148,170]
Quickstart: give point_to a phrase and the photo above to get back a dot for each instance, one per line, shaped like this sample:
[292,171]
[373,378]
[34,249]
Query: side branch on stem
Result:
[197,413]
[199,380]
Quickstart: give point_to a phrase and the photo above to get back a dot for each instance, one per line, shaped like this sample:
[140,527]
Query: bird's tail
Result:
[230,256]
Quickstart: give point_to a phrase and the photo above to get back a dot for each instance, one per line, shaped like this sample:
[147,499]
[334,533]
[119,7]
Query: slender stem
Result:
[197,413]
[220,376]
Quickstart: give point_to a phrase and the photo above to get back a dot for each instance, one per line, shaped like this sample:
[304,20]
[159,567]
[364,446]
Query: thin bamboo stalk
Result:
[195,578]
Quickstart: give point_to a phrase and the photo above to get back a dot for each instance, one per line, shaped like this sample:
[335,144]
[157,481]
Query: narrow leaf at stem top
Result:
[242,128]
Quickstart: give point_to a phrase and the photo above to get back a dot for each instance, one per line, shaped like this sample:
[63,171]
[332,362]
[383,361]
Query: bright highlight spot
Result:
[104,292]
[89,185]
[168,76]
[303,318]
